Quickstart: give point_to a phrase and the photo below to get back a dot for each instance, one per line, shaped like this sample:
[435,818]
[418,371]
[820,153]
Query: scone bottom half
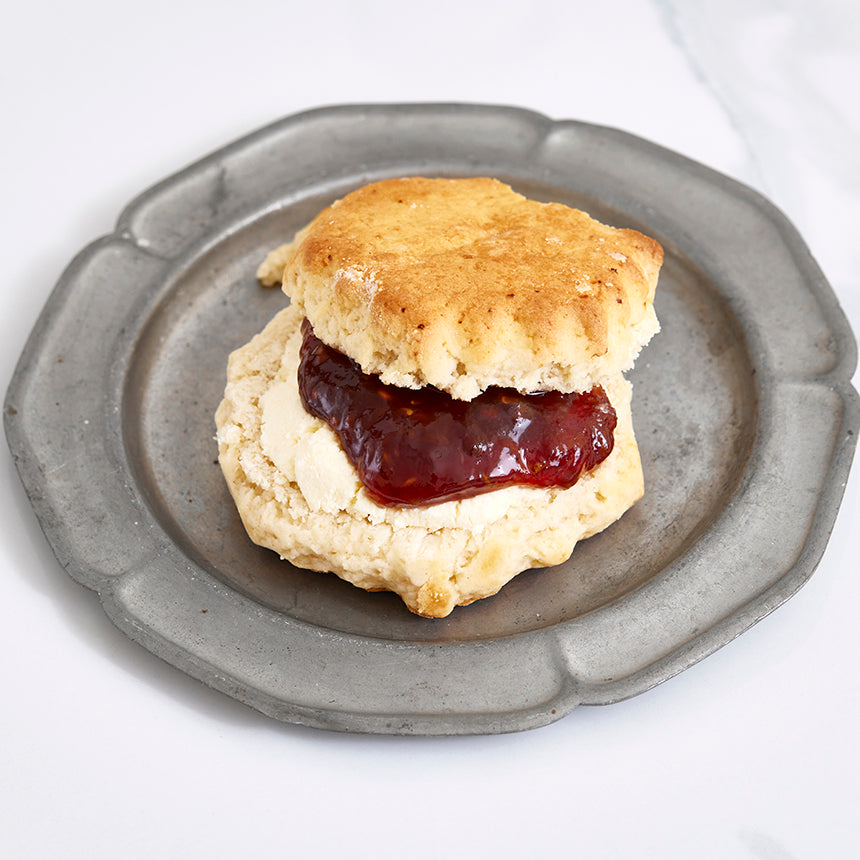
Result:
[307,489]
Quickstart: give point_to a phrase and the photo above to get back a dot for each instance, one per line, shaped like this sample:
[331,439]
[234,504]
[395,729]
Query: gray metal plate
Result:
[744,412]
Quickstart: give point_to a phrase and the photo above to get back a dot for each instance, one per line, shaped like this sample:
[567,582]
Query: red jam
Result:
[417,447]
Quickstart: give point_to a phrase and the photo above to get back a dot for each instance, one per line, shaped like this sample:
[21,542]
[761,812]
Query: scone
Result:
[442,405]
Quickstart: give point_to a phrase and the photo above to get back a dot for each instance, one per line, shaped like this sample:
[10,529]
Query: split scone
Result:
[442,405]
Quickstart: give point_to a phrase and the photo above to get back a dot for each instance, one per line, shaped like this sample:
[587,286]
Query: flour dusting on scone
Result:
[470,309]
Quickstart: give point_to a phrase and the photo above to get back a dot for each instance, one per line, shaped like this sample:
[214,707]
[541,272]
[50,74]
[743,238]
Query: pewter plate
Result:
[745,417]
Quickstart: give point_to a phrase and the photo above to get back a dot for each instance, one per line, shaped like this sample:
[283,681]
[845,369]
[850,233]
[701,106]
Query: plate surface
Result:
[742,407]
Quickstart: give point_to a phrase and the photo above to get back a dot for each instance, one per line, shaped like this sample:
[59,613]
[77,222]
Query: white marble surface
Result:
[107,752]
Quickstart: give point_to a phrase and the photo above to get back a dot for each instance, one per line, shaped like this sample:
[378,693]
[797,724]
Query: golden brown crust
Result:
[463,284]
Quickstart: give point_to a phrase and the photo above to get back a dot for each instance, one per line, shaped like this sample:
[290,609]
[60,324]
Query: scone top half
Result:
[464,284]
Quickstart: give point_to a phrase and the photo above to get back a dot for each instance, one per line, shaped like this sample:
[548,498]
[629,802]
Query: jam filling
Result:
[417,447]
